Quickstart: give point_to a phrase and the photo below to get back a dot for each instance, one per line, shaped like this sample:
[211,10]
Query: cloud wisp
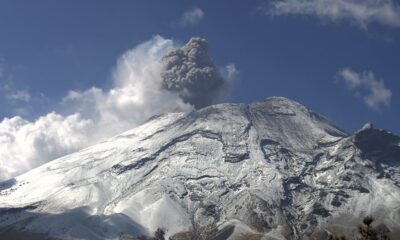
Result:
[19,95]
[19,98]
[138,92]
[191,17]
[357,12]
[365,85]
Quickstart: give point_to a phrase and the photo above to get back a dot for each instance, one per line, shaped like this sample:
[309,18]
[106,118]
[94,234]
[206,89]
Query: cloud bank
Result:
[358,12]
[365,85]
[191,17]
[139,91]
[24,144]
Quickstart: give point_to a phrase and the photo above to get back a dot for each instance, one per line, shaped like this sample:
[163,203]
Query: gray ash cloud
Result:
[190,72]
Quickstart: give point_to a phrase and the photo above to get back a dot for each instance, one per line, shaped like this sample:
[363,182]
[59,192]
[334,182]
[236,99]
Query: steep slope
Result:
[272,167]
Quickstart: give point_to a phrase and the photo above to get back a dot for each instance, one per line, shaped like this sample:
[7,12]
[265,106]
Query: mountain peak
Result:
[280,99]
[277,101]
[366,127]
[271,168]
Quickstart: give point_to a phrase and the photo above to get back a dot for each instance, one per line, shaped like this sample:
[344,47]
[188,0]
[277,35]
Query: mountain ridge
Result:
[272,167]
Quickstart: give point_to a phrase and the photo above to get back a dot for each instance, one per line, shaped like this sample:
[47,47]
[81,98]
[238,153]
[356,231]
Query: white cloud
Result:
[358,12]
[192,17]
[373,91]
[24,144]
[19,95]
[136,94]
[94,114]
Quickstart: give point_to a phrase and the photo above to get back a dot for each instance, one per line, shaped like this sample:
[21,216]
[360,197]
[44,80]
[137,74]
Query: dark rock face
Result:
[378,145]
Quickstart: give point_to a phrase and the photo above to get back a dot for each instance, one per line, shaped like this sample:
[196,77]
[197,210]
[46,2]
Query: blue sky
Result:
[344,65]
[49,48]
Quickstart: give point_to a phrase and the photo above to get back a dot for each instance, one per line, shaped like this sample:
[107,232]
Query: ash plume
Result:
[190,72]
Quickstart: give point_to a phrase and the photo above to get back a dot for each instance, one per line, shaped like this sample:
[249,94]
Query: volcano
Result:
[267,170]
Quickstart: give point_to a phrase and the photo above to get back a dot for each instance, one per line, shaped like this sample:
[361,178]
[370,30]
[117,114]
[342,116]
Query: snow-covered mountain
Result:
[271,169]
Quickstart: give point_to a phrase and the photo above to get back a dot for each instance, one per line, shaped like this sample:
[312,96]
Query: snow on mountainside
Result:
[271,168]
